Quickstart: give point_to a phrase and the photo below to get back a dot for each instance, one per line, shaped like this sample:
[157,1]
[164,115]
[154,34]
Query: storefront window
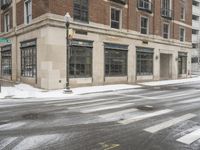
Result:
[6,62]
[182,63]
[28,59]
[115,62]
[144,61]
[80,61]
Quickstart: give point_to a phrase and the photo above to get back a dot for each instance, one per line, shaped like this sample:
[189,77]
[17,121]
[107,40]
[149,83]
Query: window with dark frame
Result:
[6,22]
[115,62]
[144,25]
[28,11]
[182,13]
[80,12]
[115,18]
[182,63]
[28,61]
[166,30]
[144,62]
[6,62]
[182,34]
[80,62]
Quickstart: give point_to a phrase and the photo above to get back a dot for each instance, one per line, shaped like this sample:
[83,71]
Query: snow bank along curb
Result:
[27,91]
[168,82]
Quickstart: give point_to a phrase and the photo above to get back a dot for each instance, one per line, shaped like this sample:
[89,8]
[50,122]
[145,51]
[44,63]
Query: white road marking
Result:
[190,101]
[5,142]
[145,116]
[105,107]
[169,123]
[190,138]
[90,105]
[109,115]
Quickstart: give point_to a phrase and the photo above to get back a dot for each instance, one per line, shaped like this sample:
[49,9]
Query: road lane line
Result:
[169,123]
[118,113]
[190,138]
[90,105]
[105,107]
[145,116]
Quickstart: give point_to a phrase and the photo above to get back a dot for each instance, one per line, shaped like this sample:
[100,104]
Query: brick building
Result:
[114,41]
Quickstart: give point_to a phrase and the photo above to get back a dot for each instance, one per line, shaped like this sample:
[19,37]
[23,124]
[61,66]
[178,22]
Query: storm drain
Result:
[146,108]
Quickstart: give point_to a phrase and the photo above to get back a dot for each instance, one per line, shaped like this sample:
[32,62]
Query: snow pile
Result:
[167,82]
[27,91]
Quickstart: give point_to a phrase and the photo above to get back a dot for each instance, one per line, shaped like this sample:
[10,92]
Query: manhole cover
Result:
[146,108]
[30,116]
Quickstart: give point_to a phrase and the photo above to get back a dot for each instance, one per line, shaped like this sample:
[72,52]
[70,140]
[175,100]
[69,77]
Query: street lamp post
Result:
[67,23]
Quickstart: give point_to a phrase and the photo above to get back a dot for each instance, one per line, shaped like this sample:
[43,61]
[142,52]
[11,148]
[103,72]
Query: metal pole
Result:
[67,88]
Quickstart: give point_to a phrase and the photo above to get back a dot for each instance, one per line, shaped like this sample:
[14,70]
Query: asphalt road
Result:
[148,118]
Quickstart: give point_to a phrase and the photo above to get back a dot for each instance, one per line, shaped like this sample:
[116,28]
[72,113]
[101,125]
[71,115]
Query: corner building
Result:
[113,41]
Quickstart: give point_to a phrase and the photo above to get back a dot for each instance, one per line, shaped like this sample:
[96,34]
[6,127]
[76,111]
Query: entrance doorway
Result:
[165,66]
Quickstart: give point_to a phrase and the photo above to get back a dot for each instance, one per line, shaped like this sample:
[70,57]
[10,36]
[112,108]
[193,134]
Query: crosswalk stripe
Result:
[190,101]
[190,138]
[90,105]
[87,101]
[118,113]
[105,107]
[169,123]
[145,116]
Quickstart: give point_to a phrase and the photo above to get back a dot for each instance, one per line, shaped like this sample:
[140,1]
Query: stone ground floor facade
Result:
[37,56]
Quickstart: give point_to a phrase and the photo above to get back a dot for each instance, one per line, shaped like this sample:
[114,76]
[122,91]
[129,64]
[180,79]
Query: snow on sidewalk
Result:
[27,91]
[168,82]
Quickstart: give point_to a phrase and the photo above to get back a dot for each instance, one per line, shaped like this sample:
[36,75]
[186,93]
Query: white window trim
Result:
[147,24]
[25,15]
[5,25]
[183,19]
[170,1]
[168,30]
[180,34]
[120,20]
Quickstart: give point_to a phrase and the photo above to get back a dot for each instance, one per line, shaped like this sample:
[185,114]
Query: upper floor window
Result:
[194,31]
[115,18]
[145,5]
[81,10]
[195,3]
[166,8]
[195,17]
[144,27]
[182,34]
[182,13]
[6,22]
[166,30]
[27,11]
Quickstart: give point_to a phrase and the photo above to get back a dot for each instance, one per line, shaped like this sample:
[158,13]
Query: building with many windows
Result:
[111,41]
[195,36]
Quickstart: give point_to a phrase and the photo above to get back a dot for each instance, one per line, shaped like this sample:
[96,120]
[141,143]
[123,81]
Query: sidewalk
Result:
[23,91]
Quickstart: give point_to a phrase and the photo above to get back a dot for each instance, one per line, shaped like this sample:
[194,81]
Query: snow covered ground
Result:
[27,91]
[167,82]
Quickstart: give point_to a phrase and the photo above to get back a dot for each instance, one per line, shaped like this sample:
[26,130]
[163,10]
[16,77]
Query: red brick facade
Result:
[99,12]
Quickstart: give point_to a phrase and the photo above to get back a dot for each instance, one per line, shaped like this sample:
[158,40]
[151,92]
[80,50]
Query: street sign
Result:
[5,40]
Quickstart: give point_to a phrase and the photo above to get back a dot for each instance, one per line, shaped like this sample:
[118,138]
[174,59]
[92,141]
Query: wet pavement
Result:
[147,118]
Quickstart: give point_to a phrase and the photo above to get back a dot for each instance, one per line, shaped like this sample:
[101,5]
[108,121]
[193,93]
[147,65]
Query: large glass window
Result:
[80,62]
[81,10]
[27,11]
[115,18]
[28,61]
[144,62]
[115,62]
[182,63]
[6,65]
